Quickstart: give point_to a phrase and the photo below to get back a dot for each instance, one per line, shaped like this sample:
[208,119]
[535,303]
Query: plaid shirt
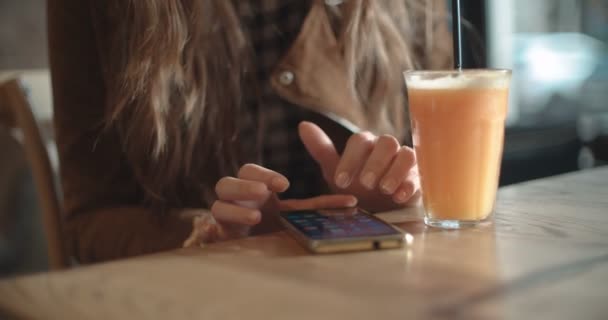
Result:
[272,26]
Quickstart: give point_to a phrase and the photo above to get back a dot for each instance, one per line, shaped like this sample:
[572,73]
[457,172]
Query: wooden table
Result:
[545,257]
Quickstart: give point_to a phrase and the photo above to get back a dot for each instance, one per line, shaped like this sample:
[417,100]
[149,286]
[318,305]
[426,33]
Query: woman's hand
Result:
[380,172]
[249,200]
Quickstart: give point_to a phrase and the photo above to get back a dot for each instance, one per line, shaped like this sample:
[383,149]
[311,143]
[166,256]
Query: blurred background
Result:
[557,123]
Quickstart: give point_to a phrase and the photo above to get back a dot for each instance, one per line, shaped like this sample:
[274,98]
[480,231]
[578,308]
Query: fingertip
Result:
[304,126]
[368,180]
[404,193]
[304,123]
[279,184]
[214,206]
[388,186]
[254,217]
[352,201]
[342,180]
[401,196]
[258,191]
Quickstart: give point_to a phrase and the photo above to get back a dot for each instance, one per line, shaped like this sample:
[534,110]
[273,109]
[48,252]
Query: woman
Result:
[174,113]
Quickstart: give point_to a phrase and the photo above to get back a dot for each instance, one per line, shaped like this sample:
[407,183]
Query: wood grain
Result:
[545,257]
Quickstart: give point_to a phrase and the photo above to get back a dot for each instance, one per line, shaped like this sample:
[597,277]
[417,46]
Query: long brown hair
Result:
[180,68]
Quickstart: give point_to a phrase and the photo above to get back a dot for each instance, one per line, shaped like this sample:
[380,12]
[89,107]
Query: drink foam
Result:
[450,80]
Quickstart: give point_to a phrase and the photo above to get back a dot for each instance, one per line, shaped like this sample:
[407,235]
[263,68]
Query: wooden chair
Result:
[16,112]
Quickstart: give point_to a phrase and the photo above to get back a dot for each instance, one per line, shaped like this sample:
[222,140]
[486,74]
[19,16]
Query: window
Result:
[558,51]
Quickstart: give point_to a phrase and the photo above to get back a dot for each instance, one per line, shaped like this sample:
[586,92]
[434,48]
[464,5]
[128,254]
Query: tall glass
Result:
[458,121]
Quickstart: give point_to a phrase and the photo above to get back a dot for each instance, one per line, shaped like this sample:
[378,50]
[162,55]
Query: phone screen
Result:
[337,223]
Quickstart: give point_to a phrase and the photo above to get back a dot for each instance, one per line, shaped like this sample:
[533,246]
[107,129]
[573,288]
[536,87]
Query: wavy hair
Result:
[180,69]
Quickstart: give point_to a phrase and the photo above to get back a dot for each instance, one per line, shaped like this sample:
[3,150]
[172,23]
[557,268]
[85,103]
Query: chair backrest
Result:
[16,112]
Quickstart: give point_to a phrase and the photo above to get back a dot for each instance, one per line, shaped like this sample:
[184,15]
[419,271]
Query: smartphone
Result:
[340,230]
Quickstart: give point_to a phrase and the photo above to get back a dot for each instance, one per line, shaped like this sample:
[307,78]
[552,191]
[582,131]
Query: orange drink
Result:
[458,120]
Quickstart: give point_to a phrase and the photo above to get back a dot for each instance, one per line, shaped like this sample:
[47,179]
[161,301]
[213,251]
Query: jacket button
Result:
[286,78]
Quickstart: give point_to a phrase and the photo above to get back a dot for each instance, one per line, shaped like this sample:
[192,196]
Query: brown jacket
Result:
[102,201]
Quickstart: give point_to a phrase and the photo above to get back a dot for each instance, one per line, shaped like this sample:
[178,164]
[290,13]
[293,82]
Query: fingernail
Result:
[279,183]
[255,217]
[258,190]
[388,186]
[368,180]
[401,197]
[342,180]
[352,202]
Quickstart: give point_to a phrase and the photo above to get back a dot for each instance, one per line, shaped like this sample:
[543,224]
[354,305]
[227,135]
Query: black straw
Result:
[456,34]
